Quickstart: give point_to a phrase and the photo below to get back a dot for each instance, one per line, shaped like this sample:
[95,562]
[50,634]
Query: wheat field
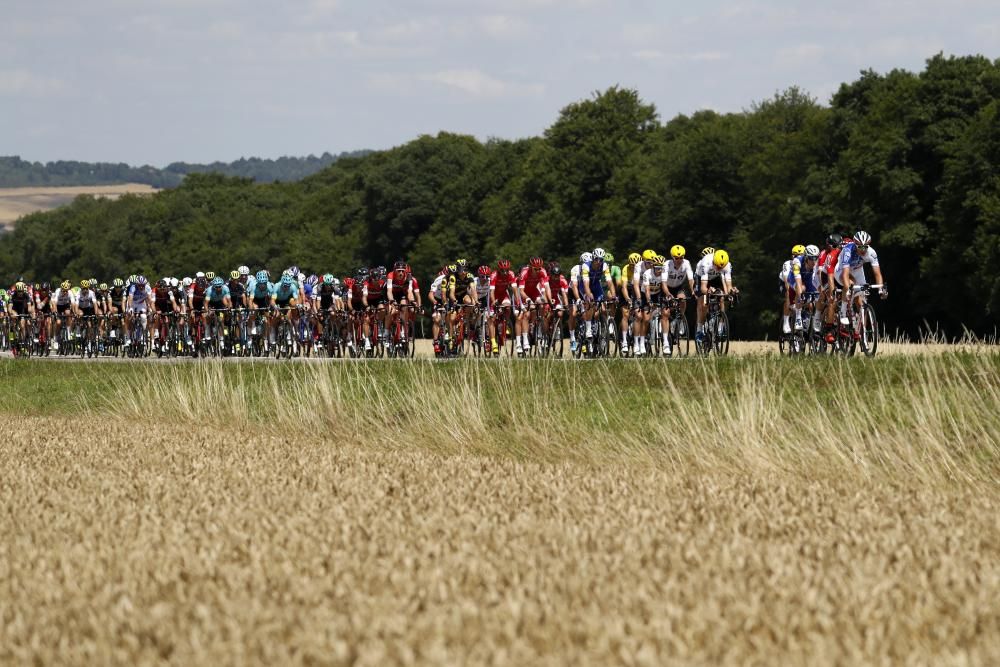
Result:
[460,514]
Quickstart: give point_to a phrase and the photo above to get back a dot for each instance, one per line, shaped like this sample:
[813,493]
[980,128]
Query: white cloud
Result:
[479,84]
[801,54]
[657,56]
[19,82]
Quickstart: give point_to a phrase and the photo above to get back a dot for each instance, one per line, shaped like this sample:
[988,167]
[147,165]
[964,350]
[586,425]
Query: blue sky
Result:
[155,81]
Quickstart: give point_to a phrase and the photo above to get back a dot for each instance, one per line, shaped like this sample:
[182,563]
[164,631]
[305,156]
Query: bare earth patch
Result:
[16,202]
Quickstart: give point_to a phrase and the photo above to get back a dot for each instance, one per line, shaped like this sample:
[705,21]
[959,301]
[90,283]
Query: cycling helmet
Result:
[649,255]
[598,253]
[118,282]
[462,264]
[85,284]
[244,270]
[708,250]
[187,281]
[452,268]
[261,276]
[634,258]
[677,252]
[554,268]
[173,282]
[201,281]
[20,287]
[503,265]
[362,273]
[103,287]
[399,266]
[313,279]
[586,258]
[37,286]
[65,285]
[163,282]
[131,279]
[287,279]
[798,249]
[46,286]
[862,238]
[218,281]
[235,275]
[721,258]
[484,270]
[200,274]
[210,275]
[609,258]
[660,260]
[535,262]
[834,240]
[293,270]
[811,252]
[140,281]
[328,278]
[349,283]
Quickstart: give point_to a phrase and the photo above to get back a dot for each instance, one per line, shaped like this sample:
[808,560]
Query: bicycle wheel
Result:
[556,339]
[869,331]
[655,335]
[721,334]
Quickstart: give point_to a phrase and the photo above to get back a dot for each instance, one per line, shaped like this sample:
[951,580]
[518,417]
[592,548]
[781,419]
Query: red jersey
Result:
[530,279]
[357,293]
[162,296]
[198,293]
[500,281]
[400,288]
[374,289]
[829,260]
[558,283]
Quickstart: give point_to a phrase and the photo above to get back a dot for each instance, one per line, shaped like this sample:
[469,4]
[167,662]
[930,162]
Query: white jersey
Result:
[652,281]
[86,298]
[64,297]
[482,287]
[706,269]
[785,269]
[677,275]
[437,286]
[574,275]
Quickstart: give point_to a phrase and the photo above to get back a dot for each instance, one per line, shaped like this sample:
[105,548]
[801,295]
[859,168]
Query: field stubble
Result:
[370,513]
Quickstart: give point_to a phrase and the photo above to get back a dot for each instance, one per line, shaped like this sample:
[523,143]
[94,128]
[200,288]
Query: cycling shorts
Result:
[679,292]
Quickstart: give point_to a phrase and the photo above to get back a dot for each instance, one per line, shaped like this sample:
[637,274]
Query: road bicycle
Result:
[715,332]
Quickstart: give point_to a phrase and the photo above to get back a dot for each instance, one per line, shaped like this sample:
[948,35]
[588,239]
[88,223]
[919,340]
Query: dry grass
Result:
[170,524]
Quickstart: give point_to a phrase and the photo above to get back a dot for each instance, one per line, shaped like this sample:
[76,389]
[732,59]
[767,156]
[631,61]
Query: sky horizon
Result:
[217,80]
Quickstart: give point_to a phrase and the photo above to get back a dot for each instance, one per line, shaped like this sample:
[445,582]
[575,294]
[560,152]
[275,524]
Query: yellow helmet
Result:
[721,258]
[660,259]
[649,255]
[634,258]
[708,250]
[210,276]
[235,275]
[85,284]
[65,284]
[20,287]
[798,249]
[677,252]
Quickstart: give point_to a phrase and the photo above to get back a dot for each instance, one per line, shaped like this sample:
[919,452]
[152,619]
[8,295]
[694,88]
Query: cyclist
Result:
[237,289]
[680,283]
[325,301]
[217,297]
[850,269]
[401,290]
[137,302]
[196,296]
[87,305]
[64,300]
[373,297]
[595,282]
[436,294]
[653,282]
[532,286]
[20,303]
[503,293]
[259,292]
[558,291]
[577,306]
[803,277]
[715,274]
[798,250]
[826,264]
[625,295]
[43,307]
[284,300]
[163,303]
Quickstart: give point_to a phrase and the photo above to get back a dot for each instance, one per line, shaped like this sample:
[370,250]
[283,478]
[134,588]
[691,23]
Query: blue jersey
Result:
[216,294]
[308,289]
[597,273]
[284,292]
[260,290]
[798,269]
[849,256]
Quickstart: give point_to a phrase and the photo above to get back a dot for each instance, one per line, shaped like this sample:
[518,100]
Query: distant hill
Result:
[18,173]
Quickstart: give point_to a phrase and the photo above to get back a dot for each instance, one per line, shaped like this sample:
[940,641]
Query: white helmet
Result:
[586,258]
[187,281]
[599,253]
[200,274]
[174,282]
[336,280]
[812,252]
[244,270]
[862,238]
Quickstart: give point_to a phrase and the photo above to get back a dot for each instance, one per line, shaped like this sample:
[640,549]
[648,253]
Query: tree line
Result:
[912,158]
[15,172]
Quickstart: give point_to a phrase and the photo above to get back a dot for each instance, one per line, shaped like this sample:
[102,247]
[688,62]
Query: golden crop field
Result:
[502,513]
[16,202]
